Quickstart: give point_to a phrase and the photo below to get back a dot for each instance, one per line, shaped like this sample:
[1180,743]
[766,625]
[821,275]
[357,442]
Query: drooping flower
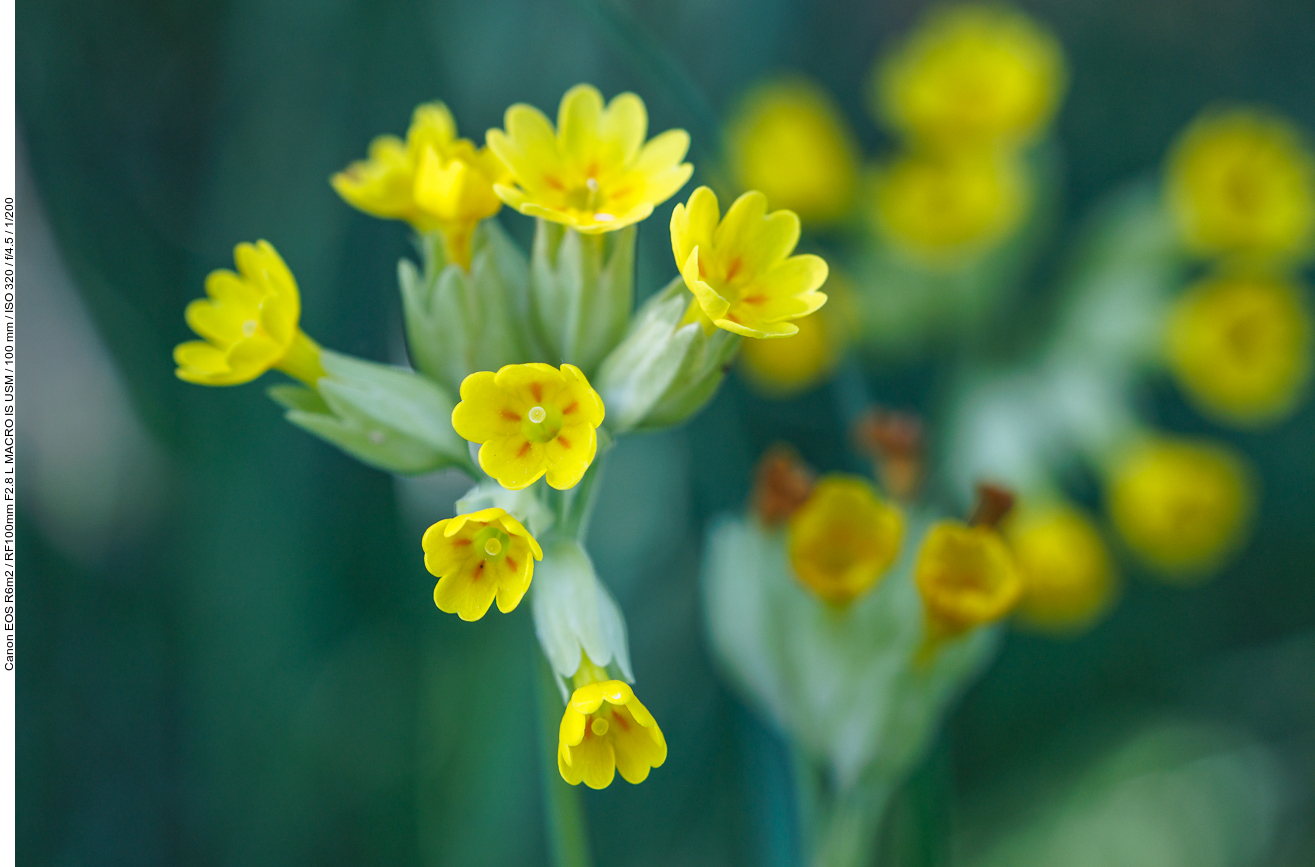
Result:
[739,267]
[606,729]
[966,576]
[477,557]
[844,538]
[971,76]
[433,180]
[789,140]
[249,324]
[1068,578]
[1241,346]
[531,419]
[1181,505]
[594,173]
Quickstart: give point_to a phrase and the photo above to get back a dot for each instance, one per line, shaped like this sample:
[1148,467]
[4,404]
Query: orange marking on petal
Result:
[511,564]
[536,389]
[732,317]
[566,444]
[479,572]
[734,269]
[457,543]
[553,182]
[754,299]
[621,721]
[570,407]
[510,416]
[523,449]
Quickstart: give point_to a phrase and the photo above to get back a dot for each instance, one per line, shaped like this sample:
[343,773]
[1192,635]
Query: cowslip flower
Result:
[789,140]
[972,76]
[1068,578]
[594,173]
[1243,182]
[477,557]
[531,420]
[843,538]
[606,729]
[1181,505]
[249,323]
[966,576]
[433,180]
[1241,346]
[739,267]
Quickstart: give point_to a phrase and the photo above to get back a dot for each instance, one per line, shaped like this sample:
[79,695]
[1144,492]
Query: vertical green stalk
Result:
[838,828]
[563,809]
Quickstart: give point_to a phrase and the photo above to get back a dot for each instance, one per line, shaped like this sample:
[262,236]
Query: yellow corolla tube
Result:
[594,172]
[606,729]
[479,557]
[249,324]
[844,538]
[531,420]
[739,267]
[1068,577]
[966,576]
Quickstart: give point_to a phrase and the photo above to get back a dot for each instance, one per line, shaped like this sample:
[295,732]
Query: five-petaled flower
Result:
[606,729]
[594,173]
[531,419]
[843,539]
[966,576]
[477,557]
[250,324]
[740,268]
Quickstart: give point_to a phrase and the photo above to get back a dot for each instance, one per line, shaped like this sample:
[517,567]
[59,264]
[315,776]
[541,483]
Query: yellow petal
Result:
[514,461]
[624,125]
[692,225]
[569,455]
[578,120]
[462,595]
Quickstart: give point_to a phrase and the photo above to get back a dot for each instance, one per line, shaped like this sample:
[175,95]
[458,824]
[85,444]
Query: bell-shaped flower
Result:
[479,557]
[966,576]
[843,538]
[606,729]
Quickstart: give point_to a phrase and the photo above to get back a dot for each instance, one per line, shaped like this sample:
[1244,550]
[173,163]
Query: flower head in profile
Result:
[478,557]
[740,268]
[972,75]
[843,538]
[606,729]
[1181,505]
[789,365]
[433,180]
[1068,578]
[1241,346]
[1243,182]
[531,419]
[966,576]
[249,323]
[789,140]
[594,172]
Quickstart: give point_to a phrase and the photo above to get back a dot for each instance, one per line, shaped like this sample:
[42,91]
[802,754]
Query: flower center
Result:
[599,726]
[537,415]
[542,423]
[249,327]
[493,546]
[491,541]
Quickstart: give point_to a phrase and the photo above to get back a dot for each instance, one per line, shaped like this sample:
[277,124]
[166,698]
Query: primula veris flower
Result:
[966,576]
[594,173]
[843,538]
[789,140]
[740,269]
[531,419]
[249,324]
[433,180]
[1241,346]
[972,76]
[478,557]
[1243,182]
[1181,505]
[1068,578]
[937,206]
[606,729]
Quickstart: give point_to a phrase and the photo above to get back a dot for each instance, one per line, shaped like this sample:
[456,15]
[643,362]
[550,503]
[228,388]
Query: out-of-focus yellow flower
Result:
[1068,579]
[966,576]
[606,729]
[594,173]
[1241,346]
[843,538]
[789,365]
[433,180]
[531,419]
[971,76]
[1181,505]
[249,324]
[940,207]
[790,140]
[1243,182]
[477,557]
[740,268]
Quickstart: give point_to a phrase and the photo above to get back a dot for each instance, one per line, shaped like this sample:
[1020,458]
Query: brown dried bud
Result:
[782,483]
[993,503]
[894,441]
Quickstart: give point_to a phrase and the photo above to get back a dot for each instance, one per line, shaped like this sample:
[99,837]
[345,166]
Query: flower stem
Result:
[568,836]
[840,828]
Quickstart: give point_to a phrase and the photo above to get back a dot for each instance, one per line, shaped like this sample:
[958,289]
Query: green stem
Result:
[568,835]
[577,504]
[838,828]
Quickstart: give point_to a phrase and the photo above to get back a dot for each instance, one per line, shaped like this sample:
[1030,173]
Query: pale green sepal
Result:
[523,505]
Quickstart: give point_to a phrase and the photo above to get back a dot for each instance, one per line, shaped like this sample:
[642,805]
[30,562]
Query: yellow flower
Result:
[971,76]
[966,576]
[790,140]
[843,538]
[433,180]
[594,173]
[740,268]
[531,419]
[1243,182]
[249,322]
[1241,346]
[1182,505]
[606,729]
[477,557]
[1068,579]
[938,207]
